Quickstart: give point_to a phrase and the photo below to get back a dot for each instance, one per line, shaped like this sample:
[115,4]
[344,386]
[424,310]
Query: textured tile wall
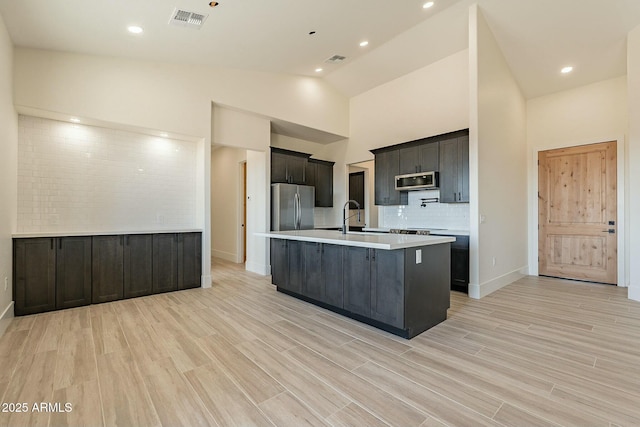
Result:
[73,177]
[432,215]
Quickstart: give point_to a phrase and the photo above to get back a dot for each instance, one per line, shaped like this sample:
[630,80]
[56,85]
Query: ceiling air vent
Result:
[336,59]
[183,18]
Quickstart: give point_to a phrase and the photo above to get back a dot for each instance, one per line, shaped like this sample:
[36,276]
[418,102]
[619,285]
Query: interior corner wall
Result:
[588,114]
[429,101]
[633,159]
[258,215]
[500,250]
[226,202]
[8,175]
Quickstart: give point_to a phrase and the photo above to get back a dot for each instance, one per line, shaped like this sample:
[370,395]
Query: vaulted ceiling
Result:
[537,37]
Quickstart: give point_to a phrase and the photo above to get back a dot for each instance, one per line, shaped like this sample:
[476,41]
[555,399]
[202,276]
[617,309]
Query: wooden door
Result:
[165,263]
[577,213]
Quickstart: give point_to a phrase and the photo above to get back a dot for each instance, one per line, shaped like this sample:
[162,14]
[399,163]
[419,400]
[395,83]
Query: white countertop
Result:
[433,231]
[96,233]
[364,240]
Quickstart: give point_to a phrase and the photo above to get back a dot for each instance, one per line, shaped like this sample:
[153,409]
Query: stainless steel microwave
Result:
[417,181]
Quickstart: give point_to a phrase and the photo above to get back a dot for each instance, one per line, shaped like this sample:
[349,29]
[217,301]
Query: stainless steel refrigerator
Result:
[292,207]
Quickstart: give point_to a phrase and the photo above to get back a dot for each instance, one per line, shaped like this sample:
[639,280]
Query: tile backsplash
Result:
[432,215]
[79,178]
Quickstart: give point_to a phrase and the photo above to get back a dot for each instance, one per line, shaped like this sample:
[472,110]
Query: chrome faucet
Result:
[344,216]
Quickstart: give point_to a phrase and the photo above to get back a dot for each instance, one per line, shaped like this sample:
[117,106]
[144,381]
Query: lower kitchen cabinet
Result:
[323,272]
[387,286]
[403,291]
[357,280]
[138,265]
[189,260]
[165,263]
[64,272]
[73,272]
[34,275]
[460,264]
[107,268]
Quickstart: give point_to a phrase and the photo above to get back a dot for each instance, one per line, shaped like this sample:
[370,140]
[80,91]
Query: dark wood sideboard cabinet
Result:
[52,273]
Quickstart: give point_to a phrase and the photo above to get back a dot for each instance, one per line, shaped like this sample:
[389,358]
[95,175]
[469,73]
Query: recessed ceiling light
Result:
[566,70]
[134,29]
[318,70]
[74,120]
[364,43]
[427,5]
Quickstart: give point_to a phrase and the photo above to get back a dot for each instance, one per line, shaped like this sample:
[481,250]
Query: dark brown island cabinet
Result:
[51,273]
[388,289]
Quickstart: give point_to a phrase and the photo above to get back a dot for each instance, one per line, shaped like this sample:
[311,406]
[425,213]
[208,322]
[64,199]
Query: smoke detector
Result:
[335,59]
[184,18]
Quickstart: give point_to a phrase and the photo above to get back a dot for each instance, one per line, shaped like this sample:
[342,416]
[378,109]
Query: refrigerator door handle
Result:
[296,211]
[299,219]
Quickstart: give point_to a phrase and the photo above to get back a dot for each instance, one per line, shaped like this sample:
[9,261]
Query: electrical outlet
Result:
[493,261]
[419,256]
[6,283]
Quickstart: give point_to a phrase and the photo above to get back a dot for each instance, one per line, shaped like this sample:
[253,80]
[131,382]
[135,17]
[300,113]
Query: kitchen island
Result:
[398,283]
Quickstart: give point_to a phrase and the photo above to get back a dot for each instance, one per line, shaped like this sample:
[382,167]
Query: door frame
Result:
[622,233]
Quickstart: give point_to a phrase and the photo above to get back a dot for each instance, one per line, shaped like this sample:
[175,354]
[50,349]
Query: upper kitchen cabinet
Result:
[454,170]
[288,166]
[421,157]
[320,175]
[387,166]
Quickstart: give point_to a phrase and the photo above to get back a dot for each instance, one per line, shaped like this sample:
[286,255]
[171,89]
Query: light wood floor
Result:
[538,352]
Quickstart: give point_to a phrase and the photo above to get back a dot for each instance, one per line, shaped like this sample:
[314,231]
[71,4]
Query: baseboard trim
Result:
[479,291]
[227,256]
[633,292]
[6,317]
[205,281]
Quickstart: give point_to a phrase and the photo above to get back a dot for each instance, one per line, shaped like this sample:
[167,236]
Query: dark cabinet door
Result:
[463,169]
[449,171]
[296,266]
[312,284]
[454,170]
[356,187]
[107,268]
[460,264]
[429,155]
[34,275]
[387,287]
[323,183]
[189,260]
[73,272]
[165,263]
[278,167]
[332,272]
[296,168]
[409,160]
[279,262]
[310,175]
[387,166]
[357,280]
[138,265]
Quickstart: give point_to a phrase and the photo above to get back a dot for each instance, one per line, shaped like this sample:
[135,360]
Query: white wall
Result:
[633,73]
[170,97]
[77,178]
[226,202]
[453,216]
[497,166]
[258,215]
[430,101]
[8,174]
[588,114]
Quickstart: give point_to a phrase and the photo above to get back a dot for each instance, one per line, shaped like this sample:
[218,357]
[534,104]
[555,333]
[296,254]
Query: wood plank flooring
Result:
[539,352]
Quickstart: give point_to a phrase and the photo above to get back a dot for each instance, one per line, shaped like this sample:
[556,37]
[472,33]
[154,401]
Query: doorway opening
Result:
[577,213]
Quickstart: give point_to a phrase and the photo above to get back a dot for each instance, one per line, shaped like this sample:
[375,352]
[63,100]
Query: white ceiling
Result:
[537,37]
